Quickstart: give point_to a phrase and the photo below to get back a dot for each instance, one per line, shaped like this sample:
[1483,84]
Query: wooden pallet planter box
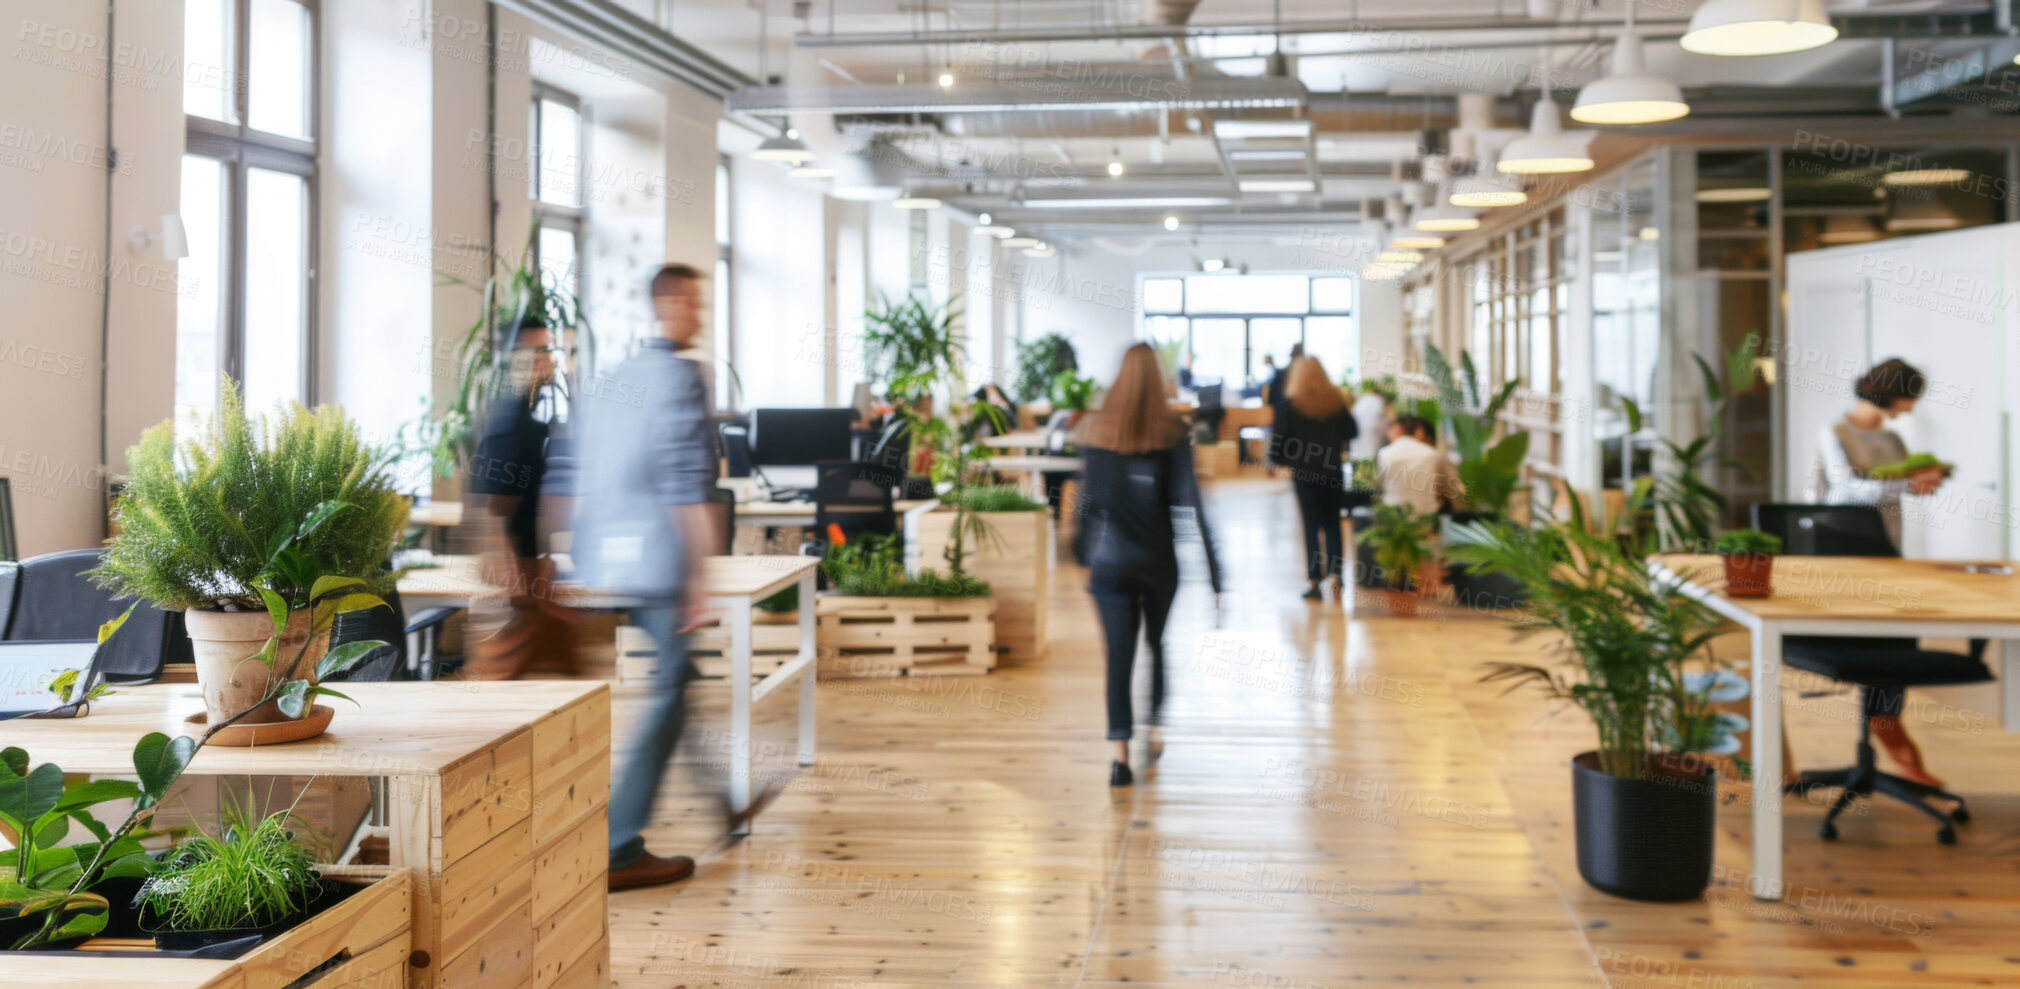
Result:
[1216,460]
[774,639]
[363,940]
[870,637]
[1017,566]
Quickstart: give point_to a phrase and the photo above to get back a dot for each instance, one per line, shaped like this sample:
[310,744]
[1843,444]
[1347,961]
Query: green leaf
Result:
[329,582]
[342,658]
[134,865]
[1713,391]
[14,759]
[318,515]
[81,795]
[1633,414]
[158,760]
[325,691]
[294,698]
[277,609]
[105,631]
[24,799]
[51,828]
[277,542]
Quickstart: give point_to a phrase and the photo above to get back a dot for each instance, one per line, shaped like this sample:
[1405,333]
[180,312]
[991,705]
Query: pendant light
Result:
[1758,27]
[1485,189]
[1628,93]
[1546,149]
[1445,218]
[786,148]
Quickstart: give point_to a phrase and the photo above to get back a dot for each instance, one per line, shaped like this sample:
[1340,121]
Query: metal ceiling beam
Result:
[629,36]
[1119,93]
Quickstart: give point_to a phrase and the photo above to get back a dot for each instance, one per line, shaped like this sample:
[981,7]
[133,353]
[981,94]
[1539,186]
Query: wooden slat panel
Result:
[582,923]
[476,891]
[577,859]
[591,971]
[571,765]
[383,967]
[378,915]
[485,794]
[503,956]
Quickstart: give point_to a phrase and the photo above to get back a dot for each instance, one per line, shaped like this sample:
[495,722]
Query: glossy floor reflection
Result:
[1339,803]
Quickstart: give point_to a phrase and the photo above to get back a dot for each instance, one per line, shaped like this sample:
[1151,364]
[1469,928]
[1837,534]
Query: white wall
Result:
[780,274]
[1089,299]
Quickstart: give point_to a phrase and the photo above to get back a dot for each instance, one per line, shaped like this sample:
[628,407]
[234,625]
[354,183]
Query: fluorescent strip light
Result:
[1251,129]
[1267,154]
[1927,176]
[1741,195]
[916,202]
[1139,202]
[1277,185]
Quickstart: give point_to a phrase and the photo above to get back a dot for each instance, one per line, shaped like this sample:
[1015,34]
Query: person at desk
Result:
[1850,449]
[1413,471]
[506,473]
[1310,437]
[644,523]
[1138,470]
[1185,378]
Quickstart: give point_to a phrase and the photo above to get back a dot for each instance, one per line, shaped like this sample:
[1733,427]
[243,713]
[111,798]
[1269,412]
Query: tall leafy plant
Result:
[1072,391]
[1627,635]
[1400,542]
[515,289]
[913,346]
[1040,361]
[1490,469]
[956,463]
[1685,506]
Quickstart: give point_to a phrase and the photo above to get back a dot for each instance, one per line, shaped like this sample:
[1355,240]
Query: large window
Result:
[1227,324]
[555,185]
[248,202]
[1519,289]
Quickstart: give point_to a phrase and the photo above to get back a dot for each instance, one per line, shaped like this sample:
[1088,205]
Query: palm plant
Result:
[1489,472]
[913,346]
[955,464]
[1627,635]
[1038,362]
[1686,508]
[1401,542]
[514,291]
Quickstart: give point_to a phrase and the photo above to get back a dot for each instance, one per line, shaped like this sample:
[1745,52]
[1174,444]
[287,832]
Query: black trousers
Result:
[1319,510]
[1129,600]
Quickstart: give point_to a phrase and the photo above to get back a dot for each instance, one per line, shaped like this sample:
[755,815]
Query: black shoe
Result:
[1314,593]
[1119,774]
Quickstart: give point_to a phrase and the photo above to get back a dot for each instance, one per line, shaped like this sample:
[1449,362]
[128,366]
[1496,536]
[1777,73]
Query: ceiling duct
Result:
[1043,93]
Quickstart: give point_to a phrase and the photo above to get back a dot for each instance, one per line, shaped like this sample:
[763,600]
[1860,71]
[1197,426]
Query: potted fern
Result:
[1400,542]
[261,533]
[1749,557]
[1644,801]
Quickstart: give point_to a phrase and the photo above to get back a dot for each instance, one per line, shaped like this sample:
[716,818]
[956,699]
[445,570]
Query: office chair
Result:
[9,549]
[1882,668]
[735,448]
[411,653]
[856,496]
[54,600]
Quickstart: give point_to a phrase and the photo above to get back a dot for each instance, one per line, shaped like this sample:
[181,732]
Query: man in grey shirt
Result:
[646,470]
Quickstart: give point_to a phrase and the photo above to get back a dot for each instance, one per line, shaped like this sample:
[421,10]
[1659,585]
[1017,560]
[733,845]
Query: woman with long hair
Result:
[1310,437]
[1138,468]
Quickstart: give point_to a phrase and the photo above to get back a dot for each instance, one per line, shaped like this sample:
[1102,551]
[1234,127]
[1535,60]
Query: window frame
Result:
[238,148]
[1191,319]
[551,215]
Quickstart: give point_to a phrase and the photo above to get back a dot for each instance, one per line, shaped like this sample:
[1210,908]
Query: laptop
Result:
[27,668]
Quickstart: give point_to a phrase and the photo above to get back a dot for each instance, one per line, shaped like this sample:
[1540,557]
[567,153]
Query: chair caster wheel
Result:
[1947,836]
[1829,832]
[1960,815]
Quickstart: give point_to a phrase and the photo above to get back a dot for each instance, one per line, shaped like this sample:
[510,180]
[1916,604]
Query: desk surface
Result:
[754,576]
[437,513]
[1037,463]
[1029,439]
[395,729]
[462,577]
[1866,588]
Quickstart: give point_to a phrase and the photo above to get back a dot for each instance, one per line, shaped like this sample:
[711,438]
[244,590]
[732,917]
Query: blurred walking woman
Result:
[1311,439]
[1138,469]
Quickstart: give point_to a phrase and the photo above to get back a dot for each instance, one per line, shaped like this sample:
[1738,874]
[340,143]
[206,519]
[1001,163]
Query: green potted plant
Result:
[1400,542]
[1038,362]
[1073,392]
[1749,558]
[253,879]
[1490,470]
[912,346]
[261,534]
[1629,644]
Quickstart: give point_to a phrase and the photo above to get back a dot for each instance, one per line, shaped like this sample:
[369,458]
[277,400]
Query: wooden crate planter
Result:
[774,639]
[362,941]
[865,636]
[1216,460]
[1017,566]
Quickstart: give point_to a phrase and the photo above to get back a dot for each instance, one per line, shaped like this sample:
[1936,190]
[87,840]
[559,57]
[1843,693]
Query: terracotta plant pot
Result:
[221,641]
[1749,575]
[1400,604]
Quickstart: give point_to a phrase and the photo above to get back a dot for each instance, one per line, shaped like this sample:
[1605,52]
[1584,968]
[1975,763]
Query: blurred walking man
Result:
[647,470]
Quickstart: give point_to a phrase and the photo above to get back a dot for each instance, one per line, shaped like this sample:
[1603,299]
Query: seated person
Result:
[1413,471]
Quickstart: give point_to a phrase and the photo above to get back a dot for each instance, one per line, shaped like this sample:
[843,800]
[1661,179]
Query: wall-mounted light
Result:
[174,239]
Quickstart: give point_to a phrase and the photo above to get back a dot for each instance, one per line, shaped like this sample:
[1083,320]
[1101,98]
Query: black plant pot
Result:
[1647,839]
[1489,589]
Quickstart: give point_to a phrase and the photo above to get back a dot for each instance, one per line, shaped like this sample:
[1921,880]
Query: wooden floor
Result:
[1339,804]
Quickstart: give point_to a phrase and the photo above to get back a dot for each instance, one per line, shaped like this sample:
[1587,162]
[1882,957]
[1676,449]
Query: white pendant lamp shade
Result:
[1758,27]
[786,148]
[1416,242]
[1446,219]
[1546,149]
[1486,191]
[1628,93]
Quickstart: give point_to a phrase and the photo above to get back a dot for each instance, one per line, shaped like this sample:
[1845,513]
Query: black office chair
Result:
[855,495]
[53,600]
[1882,668]
[411,653]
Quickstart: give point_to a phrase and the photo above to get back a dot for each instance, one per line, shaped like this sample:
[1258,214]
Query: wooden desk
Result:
[437,514]
[495,794]
[1855,596]
[736,584]
[793,514]
[1034,467]
[1029,439]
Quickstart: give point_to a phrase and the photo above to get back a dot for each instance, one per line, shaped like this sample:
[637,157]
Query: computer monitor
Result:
[785,444]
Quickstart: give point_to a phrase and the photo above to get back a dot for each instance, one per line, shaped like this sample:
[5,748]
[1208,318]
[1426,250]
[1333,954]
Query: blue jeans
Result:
[632,797]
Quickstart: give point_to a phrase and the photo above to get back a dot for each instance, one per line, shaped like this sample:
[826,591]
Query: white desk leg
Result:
[807,678]
[2009,684]
[1767,762]
[739,710]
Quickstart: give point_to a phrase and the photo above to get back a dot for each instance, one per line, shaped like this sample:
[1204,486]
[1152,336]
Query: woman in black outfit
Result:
[1138,468]
[1310,437]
